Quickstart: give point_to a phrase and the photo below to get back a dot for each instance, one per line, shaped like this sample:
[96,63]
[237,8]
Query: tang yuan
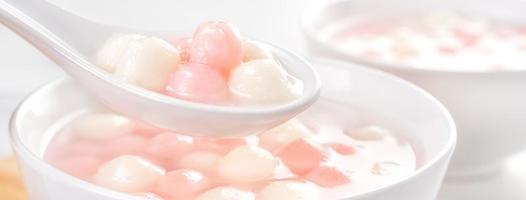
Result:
[205,162]
[141,60]
[218,45]
[101,125]
[215,66]
[253,50]
[124,145]
[247,164]
[262,82]
[114,49]
[283,135]
[220,145]
[83,167]
[169,145]
[199,83]
[79,147]
[183,46]
[182,184]
[128,174]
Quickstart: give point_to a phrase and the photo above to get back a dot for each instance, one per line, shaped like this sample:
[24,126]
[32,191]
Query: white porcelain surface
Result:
[506,183]
[63,37]
[350,84]
[488,107]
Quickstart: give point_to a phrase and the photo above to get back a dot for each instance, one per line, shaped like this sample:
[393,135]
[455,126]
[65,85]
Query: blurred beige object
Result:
[11,187]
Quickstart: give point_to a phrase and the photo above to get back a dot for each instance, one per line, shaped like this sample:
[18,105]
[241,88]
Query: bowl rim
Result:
[308,30]
[21,149]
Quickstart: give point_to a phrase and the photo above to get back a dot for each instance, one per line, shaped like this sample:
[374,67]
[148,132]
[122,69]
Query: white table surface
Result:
[23,69]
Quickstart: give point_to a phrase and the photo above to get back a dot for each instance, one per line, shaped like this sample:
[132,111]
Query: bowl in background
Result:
[489,107]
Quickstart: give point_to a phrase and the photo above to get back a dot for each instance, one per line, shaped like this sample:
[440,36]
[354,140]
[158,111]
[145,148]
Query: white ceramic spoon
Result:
[70,41]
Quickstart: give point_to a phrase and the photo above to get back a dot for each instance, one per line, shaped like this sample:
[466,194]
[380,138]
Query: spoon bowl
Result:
[71,41]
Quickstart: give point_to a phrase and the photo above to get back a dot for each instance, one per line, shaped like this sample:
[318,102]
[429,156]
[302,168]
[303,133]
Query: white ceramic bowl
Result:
[489,108]
[431,131]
